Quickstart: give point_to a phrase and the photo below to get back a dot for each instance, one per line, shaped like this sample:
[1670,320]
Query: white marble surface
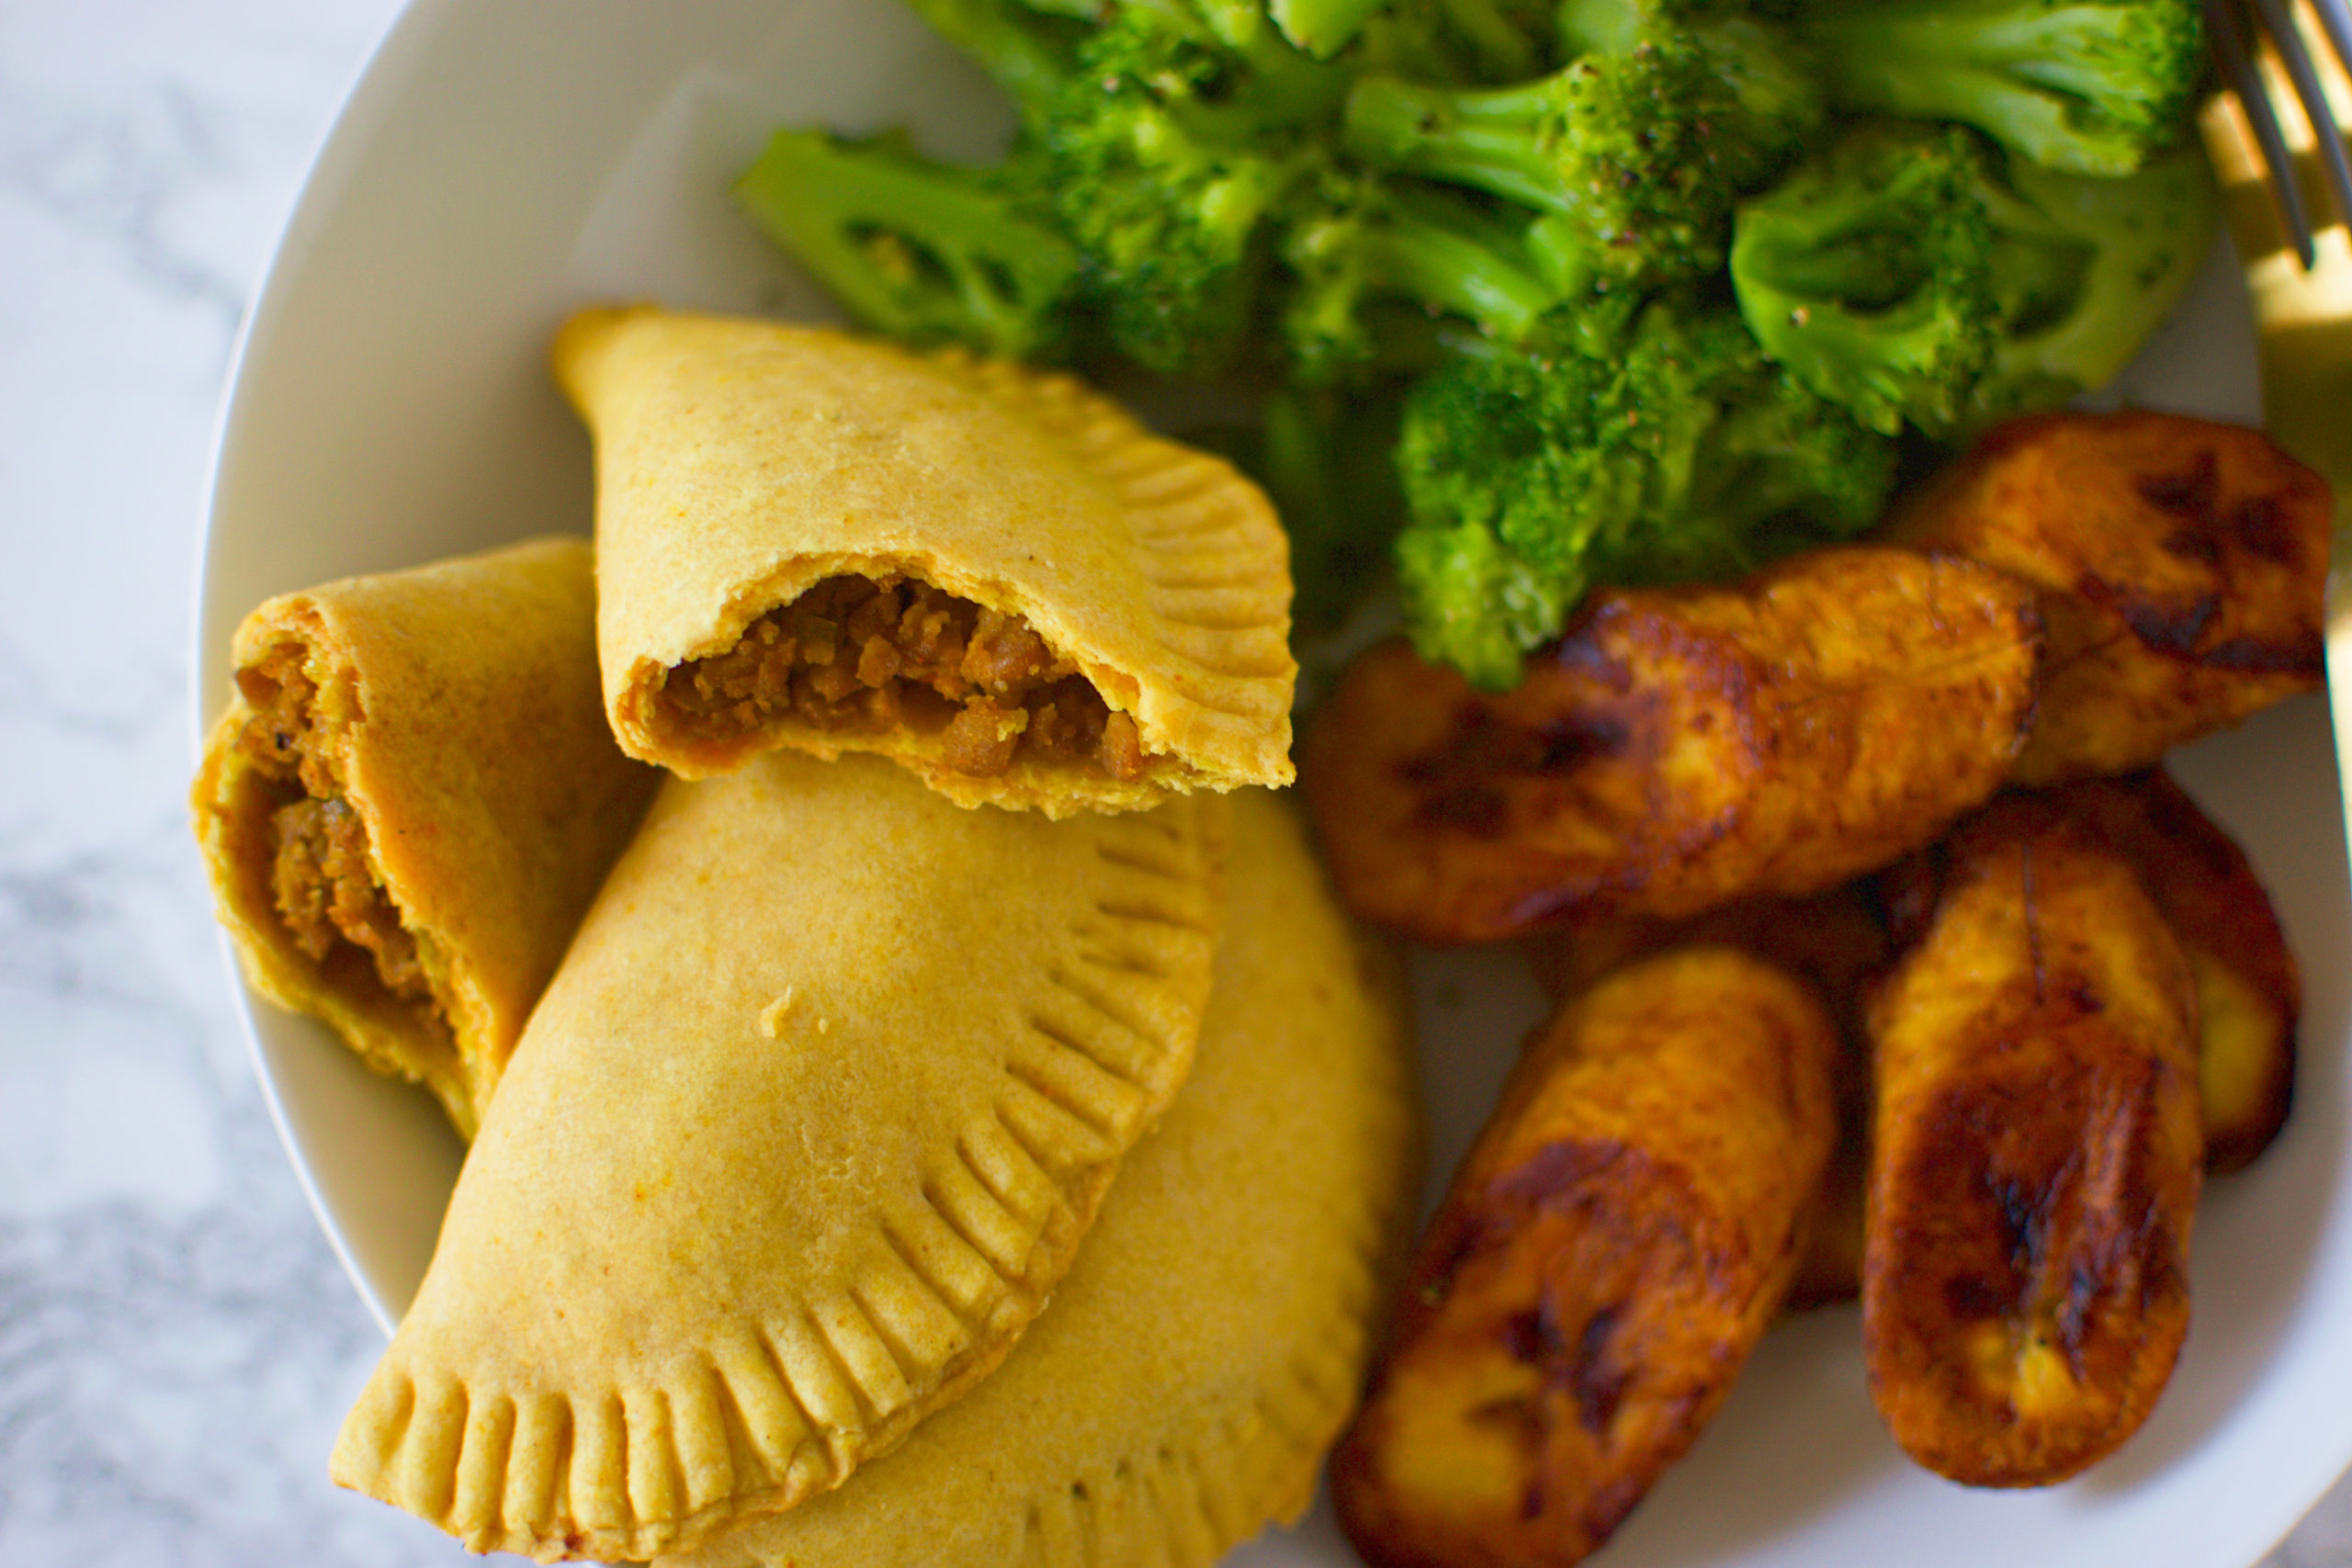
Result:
[176,1343]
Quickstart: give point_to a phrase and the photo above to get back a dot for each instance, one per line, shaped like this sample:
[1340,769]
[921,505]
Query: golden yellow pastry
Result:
[805,1128]
[989,574]
[409,805]
[1204,1349]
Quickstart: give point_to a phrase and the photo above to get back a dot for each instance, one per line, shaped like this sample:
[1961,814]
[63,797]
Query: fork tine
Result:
[2286,188]
[2287,39]
[2336,17]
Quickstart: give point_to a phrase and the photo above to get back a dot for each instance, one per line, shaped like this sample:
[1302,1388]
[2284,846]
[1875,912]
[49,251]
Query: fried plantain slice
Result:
[1838,943]
[2249,990]
[2181,565]
[2035,1157]
[1678,749]
[1614,1246]
[1837,940]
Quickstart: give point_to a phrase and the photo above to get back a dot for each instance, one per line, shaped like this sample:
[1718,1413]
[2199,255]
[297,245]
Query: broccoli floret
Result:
[925,252]
[1237,24]
[1638,153]
[1031,50]
[1459,41]
[1473,603]
[2083,270]
[1917,274]
[1371,261]
[1322,28]
[1166,155]
[2093,87]
[1868,274]
[1620,444]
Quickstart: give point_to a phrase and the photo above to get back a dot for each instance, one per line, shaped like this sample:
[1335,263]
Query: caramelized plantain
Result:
[1678,749]
[2035,1157]
[2248,987]
[1829,1270]
[2180,564]
[1611,1249]
[1837,940]
[2249,991]
[1837,943]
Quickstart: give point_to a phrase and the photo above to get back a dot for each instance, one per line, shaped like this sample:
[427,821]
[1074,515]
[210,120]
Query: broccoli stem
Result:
[1322,28]
[1028,52]
[1634,156]
[919,250]
[2085,269]
[2090,86]
[1868,273]
[1502,47]
[1491,138]
[1439,255]
[1457,262]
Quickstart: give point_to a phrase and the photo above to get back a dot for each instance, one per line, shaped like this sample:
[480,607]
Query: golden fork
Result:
[2302,304]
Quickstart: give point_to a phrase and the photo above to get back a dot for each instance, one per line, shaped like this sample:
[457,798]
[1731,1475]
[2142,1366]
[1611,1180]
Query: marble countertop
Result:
[177,1344]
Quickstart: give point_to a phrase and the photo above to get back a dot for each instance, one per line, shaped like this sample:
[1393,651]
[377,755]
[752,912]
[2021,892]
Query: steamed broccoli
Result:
[1453,41]
[1637,150]
[1916,274]
[1373,261]
[924,251]
[2083,271]
[2093,87]
[1620,444]
[1517,247]
[1167,154]
[1868,274]
[1031,50]
[1322,28]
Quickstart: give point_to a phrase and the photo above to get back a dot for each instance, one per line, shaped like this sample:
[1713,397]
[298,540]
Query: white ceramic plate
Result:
[501,163]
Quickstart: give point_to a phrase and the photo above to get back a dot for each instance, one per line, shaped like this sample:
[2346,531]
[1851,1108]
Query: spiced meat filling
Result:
[325,894]
[865,655]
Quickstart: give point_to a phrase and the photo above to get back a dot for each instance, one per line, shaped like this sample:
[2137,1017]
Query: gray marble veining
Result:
[177,1342]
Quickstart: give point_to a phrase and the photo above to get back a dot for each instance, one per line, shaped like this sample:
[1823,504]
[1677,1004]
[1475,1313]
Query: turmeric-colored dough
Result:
[1181,1390]
[989,574]
[805,1129]
[409,802]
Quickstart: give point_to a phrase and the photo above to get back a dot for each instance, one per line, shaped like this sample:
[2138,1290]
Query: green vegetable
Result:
[922,251]
[1168,158]
[1914,274]
[1637,153]
[1556,279]
[1322,28]
[1030,50]
[1375,259]
[1868,274]
[2094,86]
[2083,271]
[1620,444]
[1455,41]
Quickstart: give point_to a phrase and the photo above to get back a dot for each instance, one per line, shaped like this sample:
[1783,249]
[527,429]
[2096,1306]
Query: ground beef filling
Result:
[863,655]
[320,879]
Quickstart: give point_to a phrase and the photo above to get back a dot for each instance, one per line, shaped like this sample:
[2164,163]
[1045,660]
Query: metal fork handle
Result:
[2336,17]
[2254,97]
[2287,39]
